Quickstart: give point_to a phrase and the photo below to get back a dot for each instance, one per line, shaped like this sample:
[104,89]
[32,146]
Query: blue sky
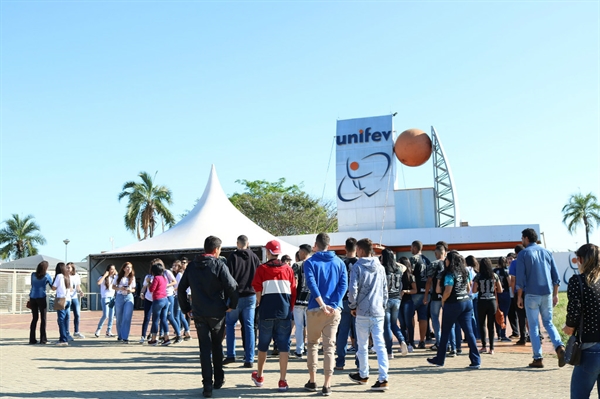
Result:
[95,92]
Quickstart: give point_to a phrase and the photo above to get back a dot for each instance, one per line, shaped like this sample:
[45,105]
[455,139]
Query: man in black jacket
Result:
[242,265]
[212,286]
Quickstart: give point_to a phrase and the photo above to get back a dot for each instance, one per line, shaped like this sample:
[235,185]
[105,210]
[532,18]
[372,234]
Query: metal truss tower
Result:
[446,201]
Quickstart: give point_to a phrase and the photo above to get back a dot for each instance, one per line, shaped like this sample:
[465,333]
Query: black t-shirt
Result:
[503,275]
[394,283]
[407,281]
[486,288]
[302,292]
[349,262]
[420,263]
[434,271]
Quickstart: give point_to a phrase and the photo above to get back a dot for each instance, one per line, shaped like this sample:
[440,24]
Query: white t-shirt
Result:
[124,283]
[178,278]
[106,292]
[75,281]
[61,290]
[148,294]
[170,278]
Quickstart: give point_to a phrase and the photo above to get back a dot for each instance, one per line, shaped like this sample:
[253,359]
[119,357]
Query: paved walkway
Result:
[104,368]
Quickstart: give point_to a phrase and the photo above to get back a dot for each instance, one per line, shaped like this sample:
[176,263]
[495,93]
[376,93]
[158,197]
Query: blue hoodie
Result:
[368,292]
[326,277]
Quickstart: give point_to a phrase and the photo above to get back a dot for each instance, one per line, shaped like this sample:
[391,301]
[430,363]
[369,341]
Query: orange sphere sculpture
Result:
[413,147]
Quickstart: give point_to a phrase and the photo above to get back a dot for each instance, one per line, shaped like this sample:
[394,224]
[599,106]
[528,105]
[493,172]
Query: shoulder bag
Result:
[573,350]
[499,314]
[59,303]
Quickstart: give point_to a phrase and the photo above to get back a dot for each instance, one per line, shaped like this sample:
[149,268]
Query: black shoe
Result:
[520,342]
[311,386]
[248,365]
[275,352]
[560,352]
[326,391]
[421,345]
[228,360]
[433,362]
[528,339]
[355,377]
[207,394]
[178,339]
[380,386]
[219,384]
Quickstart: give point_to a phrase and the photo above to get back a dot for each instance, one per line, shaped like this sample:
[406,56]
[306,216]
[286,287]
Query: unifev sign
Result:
[365,174]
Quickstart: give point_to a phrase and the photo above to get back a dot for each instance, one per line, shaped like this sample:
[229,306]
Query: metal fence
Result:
[16,284]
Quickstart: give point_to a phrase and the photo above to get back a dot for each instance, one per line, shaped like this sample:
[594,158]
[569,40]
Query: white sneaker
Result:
[403,348]
[142,340]
[62,344]
[97,334]
[390,356]
[79,335]
[410,349]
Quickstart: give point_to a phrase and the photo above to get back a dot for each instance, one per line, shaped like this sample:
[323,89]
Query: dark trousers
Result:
[211,331]
[461,312]
[522,316]
[512,317]
[39,307]
[486,308]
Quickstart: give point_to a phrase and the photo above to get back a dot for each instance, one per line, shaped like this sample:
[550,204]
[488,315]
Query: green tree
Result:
[146,203]
[284,210]
[19,237]
[582,209]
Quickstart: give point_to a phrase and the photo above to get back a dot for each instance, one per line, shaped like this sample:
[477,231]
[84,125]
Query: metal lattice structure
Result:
[446,201]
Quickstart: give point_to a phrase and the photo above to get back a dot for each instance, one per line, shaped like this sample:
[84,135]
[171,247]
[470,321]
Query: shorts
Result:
[420,307]
[278,330]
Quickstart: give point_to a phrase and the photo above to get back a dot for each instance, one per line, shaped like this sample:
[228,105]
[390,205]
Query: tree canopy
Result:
[582,209]
[284,210]
[19,237]
[147,202]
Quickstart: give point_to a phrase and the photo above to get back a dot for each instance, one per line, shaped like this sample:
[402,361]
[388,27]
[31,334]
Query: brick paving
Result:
[104,368]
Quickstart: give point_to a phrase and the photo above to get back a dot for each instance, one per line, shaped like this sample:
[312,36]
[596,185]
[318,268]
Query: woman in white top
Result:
[63,287]
[179,316]
[107,292]
[124,284]
[75,304]
[171,285]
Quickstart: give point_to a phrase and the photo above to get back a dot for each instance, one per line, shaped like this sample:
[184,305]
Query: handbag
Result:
[59,303]
[499,316]
[28,304]
[111,303]
[573,350]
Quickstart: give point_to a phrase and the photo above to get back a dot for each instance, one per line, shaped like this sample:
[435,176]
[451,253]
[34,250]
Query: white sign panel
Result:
[365,174]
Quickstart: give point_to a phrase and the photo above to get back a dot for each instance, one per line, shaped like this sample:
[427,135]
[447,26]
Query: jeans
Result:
[124,311]
[390,324]
[347,324]
[180,317]
[420,307]
[210,338]
[504,305]
[434,308]
[278,330]
[107,312]
[373,326]
[300,323]
[461,312]
[586,374]
[39,307]
[171,315]
[475,299]
[407,310]
[455,340]
[62,318]
[147,314]
[536,305]
[76,309]
[246,309]
[160,308]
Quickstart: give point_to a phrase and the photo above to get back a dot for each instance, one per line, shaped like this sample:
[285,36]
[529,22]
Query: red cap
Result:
[274,247]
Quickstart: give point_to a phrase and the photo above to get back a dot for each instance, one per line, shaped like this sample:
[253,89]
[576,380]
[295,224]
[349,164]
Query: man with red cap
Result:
[275,288]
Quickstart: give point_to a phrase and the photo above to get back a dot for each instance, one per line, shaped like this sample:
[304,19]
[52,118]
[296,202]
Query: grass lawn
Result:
[559,315]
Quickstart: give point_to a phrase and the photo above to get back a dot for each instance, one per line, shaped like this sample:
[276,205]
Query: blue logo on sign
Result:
[354,176]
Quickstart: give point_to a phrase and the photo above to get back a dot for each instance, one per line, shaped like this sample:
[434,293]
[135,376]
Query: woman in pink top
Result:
[160,303]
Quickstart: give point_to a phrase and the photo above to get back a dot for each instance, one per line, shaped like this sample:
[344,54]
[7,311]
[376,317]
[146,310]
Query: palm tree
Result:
[19,236]
[147,201]
[582,209]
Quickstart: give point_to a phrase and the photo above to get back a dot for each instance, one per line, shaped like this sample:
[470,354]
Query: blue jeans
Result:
[124,311]
[279,330]
[434,308]
[475,299]
[160,308]
[147,314]
[420,307]
[180,317]
[455,340]
[536,305]
[504,306]
[246,308]
[300,323]
[76,309]
[407,310]
[390,324]
[586,374]
[62,318]
[107,312]
[347,323]
[171,315]
[461,312]
[373,326]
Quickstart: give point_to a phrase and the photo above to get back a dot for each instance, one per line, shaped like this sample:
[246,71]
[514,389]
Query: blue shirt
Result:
[536,271]
[326,277]
[512,269]
[38,287]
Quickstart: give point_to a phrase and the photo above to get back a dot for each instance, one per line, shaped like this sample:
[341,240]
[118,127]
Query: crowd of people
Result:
[366,299]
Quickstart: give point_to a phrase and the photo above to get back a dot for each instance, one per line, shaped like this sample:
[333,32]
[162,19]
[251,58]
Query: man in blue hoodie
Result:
[327,281]
[368,296]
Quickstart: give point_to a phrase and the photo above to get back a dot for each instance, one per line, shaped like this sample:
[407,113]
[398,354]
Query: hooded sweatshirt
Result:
[326,277]
[368,292]
[211,286]
[242,265]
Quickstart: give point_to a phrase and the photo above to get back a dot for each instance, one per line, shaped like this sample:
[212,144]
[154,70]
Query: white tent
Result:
[31,262]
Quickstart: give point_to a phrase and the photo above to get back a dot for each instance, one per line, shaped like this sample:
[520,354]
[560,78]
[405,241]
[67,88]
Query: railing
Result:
[14,303]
